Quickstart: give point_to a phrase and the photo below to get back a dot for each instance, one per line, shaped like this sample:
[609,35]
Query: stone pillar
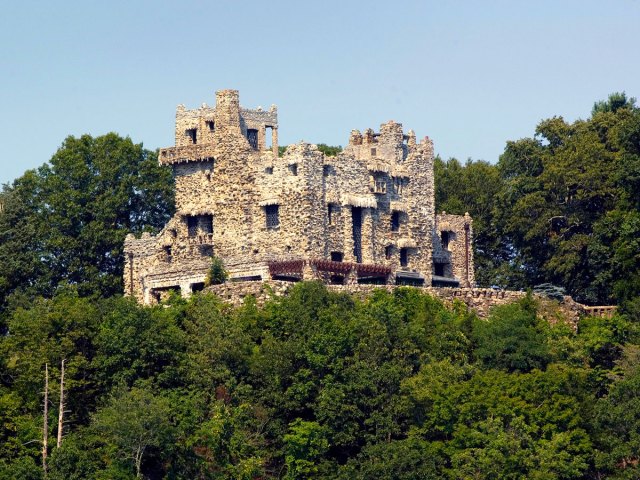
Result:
[351,278]
[274,140]
[309,272]
[185,290]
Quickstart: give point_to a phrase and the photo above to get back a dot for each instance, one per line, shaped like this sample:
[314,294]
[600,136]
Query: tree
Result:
[67,220]
[136,424]
[217,273]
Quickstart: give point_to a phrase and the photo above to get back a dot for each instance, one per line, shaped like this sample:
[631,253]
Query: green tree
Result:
[67,220]
[135,425]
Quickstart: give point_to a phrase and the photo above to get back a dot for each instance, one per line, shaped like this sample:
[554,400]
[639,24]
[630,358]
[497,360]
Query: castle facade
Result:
[365,215]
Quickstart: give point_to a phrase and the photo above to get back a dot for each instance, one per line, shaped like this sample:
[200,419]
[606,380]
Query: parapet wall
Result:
[479,299]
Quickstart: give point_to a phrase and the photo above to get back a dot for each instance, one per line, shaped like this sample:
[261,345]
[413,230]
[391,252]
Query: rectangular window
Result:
[293,168]
[404,257]
[356,230]
[444,236]
[332,212]
[192,133]
[268,170]
[252,136]
[388,252]
[380,186]
[395,221]
[438,269]
[211,125]
[206,223]
[326,170]
[373,151]
[192,226]
[336,256]
[272,216]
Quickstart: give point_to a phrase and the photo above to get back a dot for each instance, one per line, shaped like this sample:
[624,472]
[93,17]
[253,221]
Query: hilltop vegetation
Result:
[318,384]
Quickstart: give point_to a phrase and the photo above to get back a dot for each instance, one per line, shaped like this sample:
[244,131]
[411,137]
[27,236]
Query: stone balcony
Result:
[187,153]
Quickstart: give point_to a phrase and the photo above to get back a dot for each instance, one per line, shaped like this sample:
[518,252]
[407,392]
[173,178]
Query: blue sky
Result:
[469,74]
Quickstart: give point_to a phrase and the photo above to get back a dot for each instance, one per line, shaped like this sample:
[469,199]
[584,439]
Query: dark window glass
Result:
[438,269]
[252,136]
[445,240]
[271,214]
[404,257]
[395,221]
[192,226]
[336,256]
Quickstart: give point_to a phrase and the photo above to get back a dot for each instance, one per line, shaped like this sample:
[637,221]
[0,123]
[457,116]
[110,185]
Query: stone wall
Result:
[481,300]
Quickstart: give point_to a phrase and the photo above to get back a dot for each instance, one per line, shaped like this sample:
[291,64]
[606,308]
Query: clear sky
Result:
[469,74]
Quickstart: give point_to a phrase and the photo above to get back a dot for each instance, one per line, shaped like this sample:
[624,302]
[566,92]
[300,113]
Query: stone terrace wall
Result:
[479,299]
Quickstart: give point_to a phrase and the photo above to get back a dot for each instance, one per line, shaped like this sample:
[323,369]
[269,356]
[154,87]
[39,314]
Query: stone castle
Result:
[364,216]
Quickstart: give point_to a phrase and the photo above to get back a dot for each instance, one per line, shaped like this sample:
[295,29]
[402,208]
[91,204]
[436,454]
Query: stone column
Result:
[274,140]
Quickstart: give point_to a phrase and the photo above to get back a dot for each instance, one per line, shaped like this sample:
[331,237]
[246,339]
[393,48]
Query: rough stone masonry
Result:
[365,216]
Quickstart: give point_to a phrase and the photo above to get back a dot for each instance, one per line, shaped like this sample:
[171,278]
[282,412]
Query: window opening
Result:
[206,222]
[211,125]
[438,269]
[326,170]
[373,151]
[268,170]
[197,287]
[332,211]
[167,253]
[395,221]
[192,133]
[336,256]
[388,252]
[192,226]
[404,257]
[272,216]
[380,186]
[356,224]
[293,168]
[444,237]
[268,137]
[252,136]
[397,185]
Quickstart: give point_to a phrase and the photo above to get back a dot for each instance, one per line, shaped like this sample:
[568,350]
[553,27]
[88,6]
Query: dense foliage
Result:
[318,385]
[560,208]
[65,222]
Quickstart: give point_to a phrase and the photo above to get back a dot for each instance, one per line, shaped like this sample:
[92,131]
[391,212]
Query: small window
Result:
[380,186]
[207,223]
[211,125]
[167,253]
[192,133]
[268,170]
[404,257]
[336,256]
[192,226]
[444,237]
[272,216]
[373,152]
[332,212]
[438,269]
[293,168]
[388,252]
[398,183]
[395,221]
[326,170]
[252,136]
